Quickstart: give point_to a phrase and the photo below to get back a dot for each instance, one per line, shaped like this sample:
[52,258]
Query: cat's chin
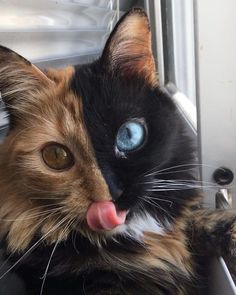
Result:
[133,228]
[137,225]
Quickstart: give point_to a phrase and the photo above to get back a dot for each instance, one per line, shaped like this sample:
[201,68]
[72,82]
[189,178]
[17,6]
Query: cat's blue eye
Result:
[130,136]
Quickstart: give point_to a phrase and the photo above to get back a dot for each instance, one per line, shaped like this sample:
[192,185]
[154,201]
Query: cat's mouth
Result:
[105,216]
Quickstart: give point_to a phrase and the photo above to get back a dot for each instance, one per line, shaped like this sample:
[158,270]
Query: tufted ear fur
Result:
[128,50]
[20,81]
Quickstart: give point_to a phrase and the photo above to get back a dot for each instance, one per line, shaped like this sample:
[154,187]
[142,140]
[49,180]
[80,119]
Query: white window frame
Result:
[176,66]
[216,89]
[198,26]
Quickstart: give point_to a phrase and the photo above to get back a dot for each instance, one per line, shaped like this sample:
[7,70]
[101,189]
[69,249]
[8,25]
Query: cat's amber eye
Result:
[57,156]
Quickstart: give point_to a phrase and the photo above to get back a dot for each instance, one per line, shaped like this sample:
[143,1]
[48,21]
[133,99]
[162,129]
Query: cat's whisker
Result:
[33,247]
[41,190]
[35,213]
[74,235]
[36,209]
[47,267]
[149,173]
[33,216]
[155,169]
[152,203]
[179,183]
[178,171]
[48,207]
[41,221]
[67,226]
[175,189]
[154,198]
[185,181]
[179,186]
[45,198]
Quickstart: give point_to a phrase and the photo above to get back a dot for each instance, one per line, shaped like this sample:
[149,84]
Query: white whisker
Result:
[179,181]
[73,242]
[154,198]
[4,263]
[176,189]
[152,203]
[32,247]
[149,173]
[47,267]
[33,216]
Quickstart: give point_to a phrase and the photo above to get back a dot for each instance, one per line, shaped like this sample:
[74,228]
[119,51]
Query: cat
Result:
[98,193]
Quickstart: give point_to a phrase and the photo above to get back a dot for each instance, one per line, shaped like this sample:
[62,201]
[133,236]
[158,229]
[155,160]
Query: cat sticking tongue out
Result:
[104,216]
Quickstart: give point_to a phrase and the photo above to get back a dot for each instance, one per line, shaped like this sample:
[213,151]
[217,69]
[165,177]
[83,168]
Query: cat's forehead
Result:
[61,75]
[53,113]
[67,106]
[60,99]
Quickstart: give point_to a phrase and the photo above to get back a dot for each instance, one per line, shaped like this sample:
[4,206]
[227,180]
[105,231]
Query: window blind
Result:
[57,32]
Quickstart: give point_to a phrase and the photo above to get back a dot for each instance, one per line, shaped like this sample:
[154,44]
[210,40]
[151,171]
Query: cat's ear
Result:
[19,79]
[128,51]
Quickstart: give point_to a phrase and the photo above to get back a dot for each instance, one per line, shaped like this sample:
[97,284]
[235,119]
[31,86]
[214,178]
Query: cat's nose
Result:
[115,187]
[115,190]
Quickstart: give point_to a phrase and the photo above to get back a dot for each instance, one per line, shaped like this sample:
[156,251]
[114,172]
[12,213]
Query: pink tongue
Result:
[103,215]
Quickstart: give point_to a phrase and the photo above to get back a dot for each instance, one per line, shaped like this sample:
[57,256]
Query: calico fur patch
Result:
[79,112]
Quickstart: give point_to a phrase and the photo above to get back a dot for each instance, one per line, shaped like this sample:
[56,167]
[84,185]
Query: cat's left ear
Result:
[128,51]
[19,79]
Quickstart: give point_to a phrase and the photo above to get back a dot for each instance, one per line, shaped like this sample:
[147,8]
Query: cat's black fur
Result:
[111,102]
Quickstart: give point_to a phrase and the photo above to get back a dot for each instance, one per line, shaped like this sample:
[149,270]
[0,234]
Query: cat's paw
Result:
[232,239]
[230,253]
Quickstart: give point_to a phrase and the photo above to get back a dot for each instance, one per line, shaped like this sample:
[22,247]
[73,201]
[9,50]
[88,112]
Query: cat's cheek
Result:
[76,205]
[58,233]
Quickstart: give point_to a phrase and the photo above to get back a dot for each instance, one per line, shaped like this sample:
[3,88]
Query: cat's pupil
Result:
[130,136]
[60,154]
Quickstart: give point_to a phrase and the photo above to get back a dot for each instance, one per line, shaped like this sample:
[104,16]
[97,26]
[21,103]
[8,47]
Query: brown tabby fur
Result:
[57,102]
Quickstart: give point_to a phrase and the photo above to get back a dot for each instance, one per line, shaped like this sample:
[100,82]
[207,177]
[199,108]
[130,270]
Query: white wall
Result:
[216,86]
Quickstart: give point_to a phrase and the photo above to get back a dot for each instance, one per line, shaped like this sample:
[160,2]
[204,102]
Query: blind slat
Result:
[49,45]
[56,33]
[53,30]
[48,17]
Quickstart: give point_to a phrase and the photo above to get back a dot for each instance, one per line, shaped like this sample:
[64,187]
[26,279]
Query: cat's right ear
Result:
[19,79]
[128,51]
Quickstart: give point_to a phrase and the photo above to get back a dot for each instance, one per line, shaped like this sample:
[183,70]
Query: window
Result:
[195,47]
[173,28]
[54,33]
[57,33]
[216,88]
[198,69]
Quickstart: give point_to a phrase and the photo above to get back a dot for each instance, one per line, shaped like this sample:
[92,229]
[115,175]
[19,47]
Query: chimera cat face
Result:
[87,144]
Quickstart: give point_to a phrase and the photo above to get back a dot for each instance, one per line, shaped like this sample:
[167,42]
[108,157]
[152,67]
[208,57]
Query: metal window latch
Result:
[223,199]
[223,176]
